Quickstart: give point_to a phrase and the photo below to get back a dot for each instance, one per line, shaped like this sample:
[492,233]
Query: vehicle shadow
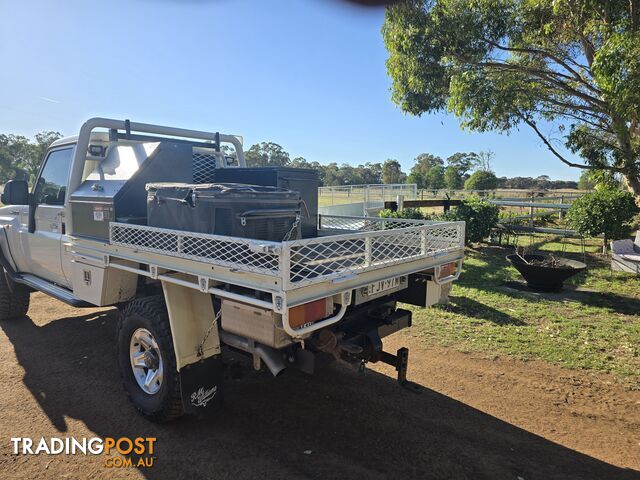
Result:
[337,424]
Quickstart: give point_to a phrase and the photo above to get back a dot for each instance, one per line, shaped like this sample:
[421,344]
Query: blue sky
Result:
[308,74]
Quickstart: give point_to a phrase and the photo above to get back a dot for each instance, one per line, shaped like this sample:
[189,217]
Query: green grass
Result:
[596,329]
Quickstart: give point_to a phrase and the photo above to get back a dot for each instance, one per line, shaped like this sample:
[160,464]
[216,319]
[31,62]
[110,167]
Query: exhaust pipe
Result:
[270,356]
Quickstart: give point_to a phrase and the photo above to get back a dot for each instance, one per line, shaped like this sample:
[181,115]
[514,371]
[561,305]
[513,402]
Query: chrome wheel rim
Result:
[146,361]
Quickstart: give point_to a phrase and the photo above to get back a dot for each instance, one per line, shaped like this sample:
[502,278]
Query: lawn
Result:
[594,324]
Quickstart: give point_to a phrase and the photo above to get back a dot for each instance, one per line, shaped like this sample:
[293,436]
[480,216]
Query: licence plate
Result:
[383,286]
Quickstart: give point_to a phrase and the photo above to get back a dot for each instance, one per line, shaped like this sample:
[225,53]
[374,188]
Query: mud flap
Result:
[201,386]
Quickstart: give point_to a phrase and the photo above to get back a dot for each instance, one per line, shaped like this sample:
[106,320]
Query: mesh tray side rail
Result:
[237,253]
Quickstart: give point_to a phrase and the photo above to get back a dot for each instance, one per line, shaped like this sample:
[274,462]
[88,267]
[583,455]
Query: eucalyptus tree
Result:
[565,66]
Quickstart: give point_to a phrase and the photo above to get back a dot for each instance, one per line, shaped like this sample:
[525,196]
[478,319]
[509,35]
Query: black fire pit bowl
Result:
[545,278]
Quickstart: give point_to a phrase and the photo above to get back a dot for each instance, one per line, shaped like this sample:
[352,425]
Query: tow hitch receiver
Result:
[400,361]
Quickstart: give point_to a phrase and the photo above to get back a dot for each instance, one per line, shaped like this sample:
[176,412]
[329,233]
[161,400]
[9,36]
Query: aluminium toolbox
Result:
[236,210]
[302,180]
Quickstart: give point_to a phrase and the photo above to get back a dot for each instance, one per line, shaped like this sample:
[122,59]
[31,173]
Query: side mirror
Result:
[16,192]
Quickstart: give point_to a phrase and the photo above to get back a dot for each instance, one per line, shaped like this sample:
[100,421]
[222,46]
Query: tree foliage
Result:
[21,157]
[423,163]
[607,212]
[392,172]
[463,162]
[266,154]
[452,178]
[481,180]
[539,183]
[585,182]
[499,64]
[435,178]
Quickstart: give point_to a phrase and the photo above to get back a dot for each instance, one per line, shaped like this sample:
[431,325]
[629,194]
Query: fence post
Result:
[400,202]
[531,210]
[561,210]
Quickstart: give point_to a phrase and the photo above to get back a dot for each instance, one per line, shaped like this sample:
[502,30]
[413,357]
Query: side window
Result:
[52,184]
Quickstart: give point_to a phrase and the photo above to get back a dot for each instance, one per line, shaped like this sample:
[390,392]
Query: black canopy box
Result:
[302,180]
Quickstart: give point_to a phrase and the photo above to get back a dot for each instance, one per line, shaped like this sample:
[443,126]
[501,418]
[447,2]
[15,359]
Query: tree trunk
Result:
[633,183]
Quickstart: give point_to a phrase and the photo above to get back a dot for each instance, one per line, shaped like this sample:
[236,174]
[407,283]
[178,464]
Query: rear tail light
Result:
[447,270]
[311,312]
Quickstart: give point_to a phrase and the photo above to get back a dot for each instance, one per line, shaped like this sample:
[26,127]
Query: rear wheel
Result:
[14,298]
[147,359]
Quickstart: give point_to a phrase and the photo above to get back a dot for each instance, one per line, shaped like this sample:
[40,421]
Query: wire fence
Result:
[503,194]
[369,194]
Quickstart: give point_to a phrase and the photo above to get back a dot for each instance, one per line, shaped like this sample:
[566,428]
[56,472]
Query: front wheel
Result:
[14,298]
[147,360]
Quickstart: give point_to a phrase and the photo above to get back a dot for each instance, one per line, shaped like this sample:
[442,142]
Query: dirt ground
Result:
[476,418]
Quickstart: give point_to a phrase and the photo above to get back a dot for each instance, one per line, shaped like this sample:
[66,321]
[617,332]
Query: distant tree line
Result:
[20,157]
[461,170]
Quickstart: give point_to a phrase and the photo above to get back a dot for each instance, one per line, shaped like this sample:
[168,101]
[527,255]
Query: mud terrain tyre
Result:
[147,360]
[14,298]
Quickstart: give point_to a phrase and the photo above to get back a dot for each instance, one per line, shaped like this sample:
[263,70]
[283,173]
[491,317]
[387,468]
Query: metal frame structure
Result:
[349,253]
[159,132]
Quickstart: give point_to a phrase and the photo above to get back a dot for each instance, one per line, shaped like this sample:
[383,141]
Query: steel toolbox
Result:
[236,210]
[110,193]
[302,180]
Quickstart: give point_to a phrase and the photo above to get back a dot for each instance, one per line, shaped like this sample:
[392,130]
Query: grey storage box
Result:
[236,210]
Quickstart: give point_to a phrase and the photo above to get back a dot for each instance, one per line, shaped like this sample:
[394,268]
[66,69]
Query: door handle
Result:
[14,212]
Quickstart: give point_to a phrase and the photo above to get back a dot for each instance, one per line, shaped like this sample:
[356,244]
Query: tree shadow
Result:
[499,277]
[607,300]
[350,425]
[474,309]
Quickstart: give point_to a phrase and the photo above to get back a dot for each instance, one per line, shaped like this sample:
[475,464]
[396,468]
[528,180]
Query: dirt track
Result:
[476,418]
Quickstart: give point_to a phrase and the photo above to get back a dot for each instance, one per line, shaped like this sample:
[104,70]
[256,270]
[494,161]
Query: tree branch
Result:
[548,76]
[547,54]
[558,155]
[580,119]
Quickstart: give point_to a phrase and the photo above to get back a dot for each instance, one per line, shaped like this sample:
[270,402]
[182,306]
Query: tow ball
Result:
[356,350]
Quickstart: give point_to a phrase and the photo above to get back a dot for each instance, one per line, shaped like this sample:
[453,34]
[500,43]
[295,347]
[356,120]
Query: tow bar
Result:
[400,361]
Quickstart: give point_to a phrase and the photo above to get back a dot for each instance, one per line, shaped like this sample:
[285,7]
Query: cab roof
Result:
[95,137]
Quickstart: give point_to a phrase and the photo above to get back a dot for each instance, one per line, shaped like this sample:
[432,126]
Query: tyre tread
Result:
[14,298]
[154,309]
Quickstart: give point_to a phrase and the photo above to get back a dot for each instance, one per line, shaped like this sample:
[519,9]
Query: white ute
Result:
[80,236]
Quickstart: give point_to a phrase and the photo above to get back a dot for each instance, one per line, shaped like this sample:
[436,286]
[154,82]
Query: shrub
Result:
[607,212]
[480,217]
[409,213]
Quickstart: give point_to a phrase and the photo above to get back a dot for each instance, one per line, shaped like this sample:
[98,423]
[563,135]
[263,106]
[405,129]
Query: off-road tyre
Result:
[14,298]
[149,313]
